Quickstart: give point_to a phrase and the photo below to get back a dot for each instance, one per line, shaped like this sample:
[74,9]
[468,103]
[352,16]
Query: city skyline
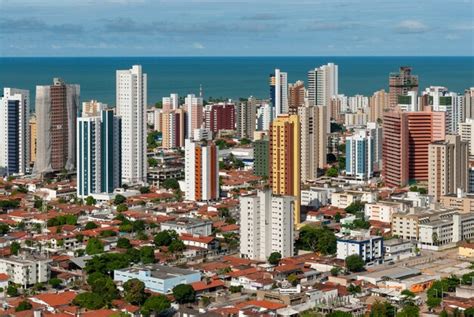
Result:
[210,28]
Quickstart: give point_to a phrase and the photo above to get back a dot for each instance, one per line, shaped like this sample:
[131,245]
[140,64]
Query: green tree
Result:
[122,208]
[469,312]
[105,287]
[94,277]
[245,141]
[293,279]
[123,243]
[335,271]
[407,293]
[274,258]
[332,172]
[94,246]
[171,183]
[176,246]
[90,201]
[163,238]
[147,255]
[134,291]
[152,162]
[317,239]
[409,311]
[119,199]
[380,309]
[339,314]
[184,293]
[155,305]
[12,291]
[354,263]
[355,207]
[23,305]
[89,300]
[144,189]
[55,282]
[108,262]
[90,225]
[4,228]
[15,248]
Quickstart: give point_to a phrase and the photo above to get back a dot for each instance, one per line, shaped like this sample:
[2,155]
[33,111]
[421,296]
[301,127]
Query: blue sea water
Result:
[230,77]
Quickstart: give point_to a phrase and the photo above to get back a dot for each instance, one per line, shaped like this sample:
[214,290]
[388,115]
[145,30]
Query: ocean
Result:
[229,77]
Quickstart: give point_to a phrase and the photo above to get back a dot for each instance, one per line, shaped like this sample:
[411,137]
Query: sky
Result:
[236,27]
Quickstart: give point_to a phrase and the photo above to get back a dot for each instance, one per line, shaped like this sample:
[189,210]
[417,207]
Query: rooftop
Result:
[159,271]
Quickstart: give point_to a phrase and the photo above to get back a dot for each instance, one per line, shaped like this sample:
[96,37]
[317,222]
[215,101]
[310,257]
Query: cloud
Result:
[34,25]
[198,46]
[411,27]
[261,17]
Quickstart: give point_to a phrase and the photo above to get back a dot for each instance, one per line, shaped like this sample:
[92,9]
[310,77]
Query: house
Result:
[208,243]
[26,271]
[53,301]
[189,225]
[158,278]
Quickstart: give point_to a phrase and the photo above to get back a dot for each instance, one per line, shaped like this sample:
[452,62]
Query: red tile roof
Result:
[59,299]
[202,285]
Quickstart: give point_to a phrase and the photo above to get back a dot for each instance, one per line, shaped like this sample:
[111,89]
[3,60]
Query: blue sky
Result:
[236,27]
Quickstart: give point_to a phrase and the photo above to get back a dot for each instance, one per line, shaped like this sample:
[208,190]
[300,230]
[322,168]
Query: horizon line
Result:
[233,56]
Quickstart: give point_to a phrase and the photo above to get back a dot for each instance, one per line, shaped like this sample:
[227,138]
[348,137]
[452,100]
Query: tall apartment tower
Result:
[440,99]
[201,171]
[469,103]
[360,151]
[15,141]
[220,117]
[266,225]
[33,138]
[279,93]
[313,140]
[261,153]
[170,103]
[246,118]
[194,108]
[448,167]
[378,103]
[285,159]
[56,114]
[131,107]
[296,94]
[323,84]
[400,84]
[407,136]
[98,152]
[264,117]
[375,130]
[466,131]
[173,129]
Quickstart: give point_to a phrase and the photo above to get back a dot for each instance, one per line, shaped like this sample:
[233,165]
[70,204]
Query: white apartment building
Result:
[369,248]
[190,226]
[382,210]
[131,107]
[314,197]
[279,93]
[466,131]
[25,272]
[345,198]
[194,111]
[170,103]
[359,155]
[357,102]
[323,84]
[397,249]
[409,102]
[14,129]
[266,225]
[264,117]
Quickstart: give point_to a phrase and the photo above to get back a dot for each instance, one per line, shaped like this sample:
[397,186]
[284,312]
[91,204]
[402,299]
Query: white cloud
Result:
[411,26]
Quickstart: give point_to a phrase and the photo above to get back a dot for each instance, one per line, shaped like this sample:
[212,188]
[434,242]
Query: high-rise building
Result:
[170,103]
[357,103]
[408,102]
[279,93]
[98,152]
[360,155]
[466,131]
[407,136]
[468,102]
[285,159]
[201,171]
[92,108]
[337,106]
[264,117]
[448,167]
[131,107]
[378,103]
[313,140]
[375,130]
[296,93]
[173,128]
[33,138]
[323,84]
[56,114]
[194,108]
[266,225]
[400,84]
[246,118]
[440,99]
[15,141]
[220,117]
[261,154]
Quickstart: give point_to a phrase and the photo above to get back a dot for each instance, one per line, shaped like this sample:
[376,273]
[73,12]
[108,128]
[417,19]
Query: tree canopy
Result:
[184,293]
[317,239]
[355,263]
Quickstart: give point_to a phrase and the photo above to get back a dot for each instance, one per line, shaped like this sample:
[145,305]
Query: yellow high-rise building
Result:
[285,175]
